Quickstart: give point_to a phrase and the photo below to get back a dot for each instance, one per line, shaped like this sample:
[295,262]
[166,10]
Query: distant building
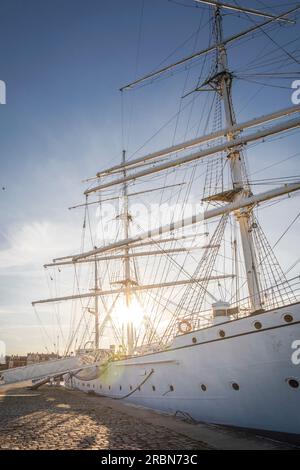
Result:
[17,361]
[40,357]
[4,364]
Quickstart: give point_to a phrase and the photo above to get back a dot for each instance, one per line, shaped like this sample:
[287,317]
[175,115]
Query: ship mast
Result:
[127,279]
[237,168]
[96,308]
[95,311]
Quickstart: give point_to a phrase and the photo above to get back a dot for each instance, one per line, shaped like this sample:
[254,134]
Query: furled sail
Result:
[39,370]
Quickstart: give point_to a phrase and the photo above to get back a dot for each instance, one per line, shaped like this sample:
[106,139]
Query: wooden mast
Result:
[238,169]
[127,277]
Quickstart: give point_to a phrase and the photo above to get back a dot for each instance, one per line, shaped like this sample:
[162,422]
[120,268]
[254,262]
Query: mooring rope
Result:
[128,394]
[136,388]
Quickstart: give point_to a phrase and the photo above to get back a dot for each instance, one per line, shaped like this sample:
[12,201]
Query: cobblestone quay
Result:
[55,418]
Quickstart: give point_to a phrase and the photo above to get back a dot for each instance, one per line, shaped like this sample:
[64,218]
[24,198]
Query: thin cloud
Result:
[36,243]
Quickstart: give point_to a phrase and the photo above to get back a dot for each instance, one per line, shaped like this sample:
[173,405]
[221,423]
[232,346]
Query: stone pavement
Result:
[55,418]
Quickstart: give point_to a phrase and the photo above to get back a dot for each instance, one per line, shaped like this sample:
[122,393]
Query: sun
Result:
[128,314]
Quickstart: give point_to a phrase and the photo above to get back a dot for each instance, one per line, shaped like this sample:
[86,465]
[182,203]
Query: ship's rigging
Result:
[235,254]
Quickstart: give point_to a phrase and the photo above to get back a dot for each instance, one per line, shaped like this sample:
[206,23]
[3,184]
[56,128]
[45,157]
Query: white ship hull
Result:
[242,379]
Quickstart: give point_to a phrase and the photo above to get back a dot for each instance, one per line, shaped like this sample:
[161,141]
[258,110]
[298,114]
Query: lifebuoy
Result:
[184,326]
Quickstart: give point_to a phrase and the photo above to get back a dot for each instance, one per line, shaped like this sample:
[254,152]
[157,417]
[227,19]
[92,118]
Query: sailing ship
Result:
[203,329]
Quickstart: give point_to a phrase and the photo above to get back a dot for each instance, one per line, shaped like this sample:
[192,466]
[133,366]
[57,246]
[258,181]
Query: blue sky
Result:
[63,62]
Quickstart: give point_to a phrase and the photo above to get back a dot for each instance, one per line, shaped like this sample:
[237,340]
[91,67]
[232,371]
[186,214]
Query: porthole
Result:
[235,386]
[203,388]
[222,333]
[153,388]
[257,325]
[171,388]
[293,383]
[194,340]
[288,318]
